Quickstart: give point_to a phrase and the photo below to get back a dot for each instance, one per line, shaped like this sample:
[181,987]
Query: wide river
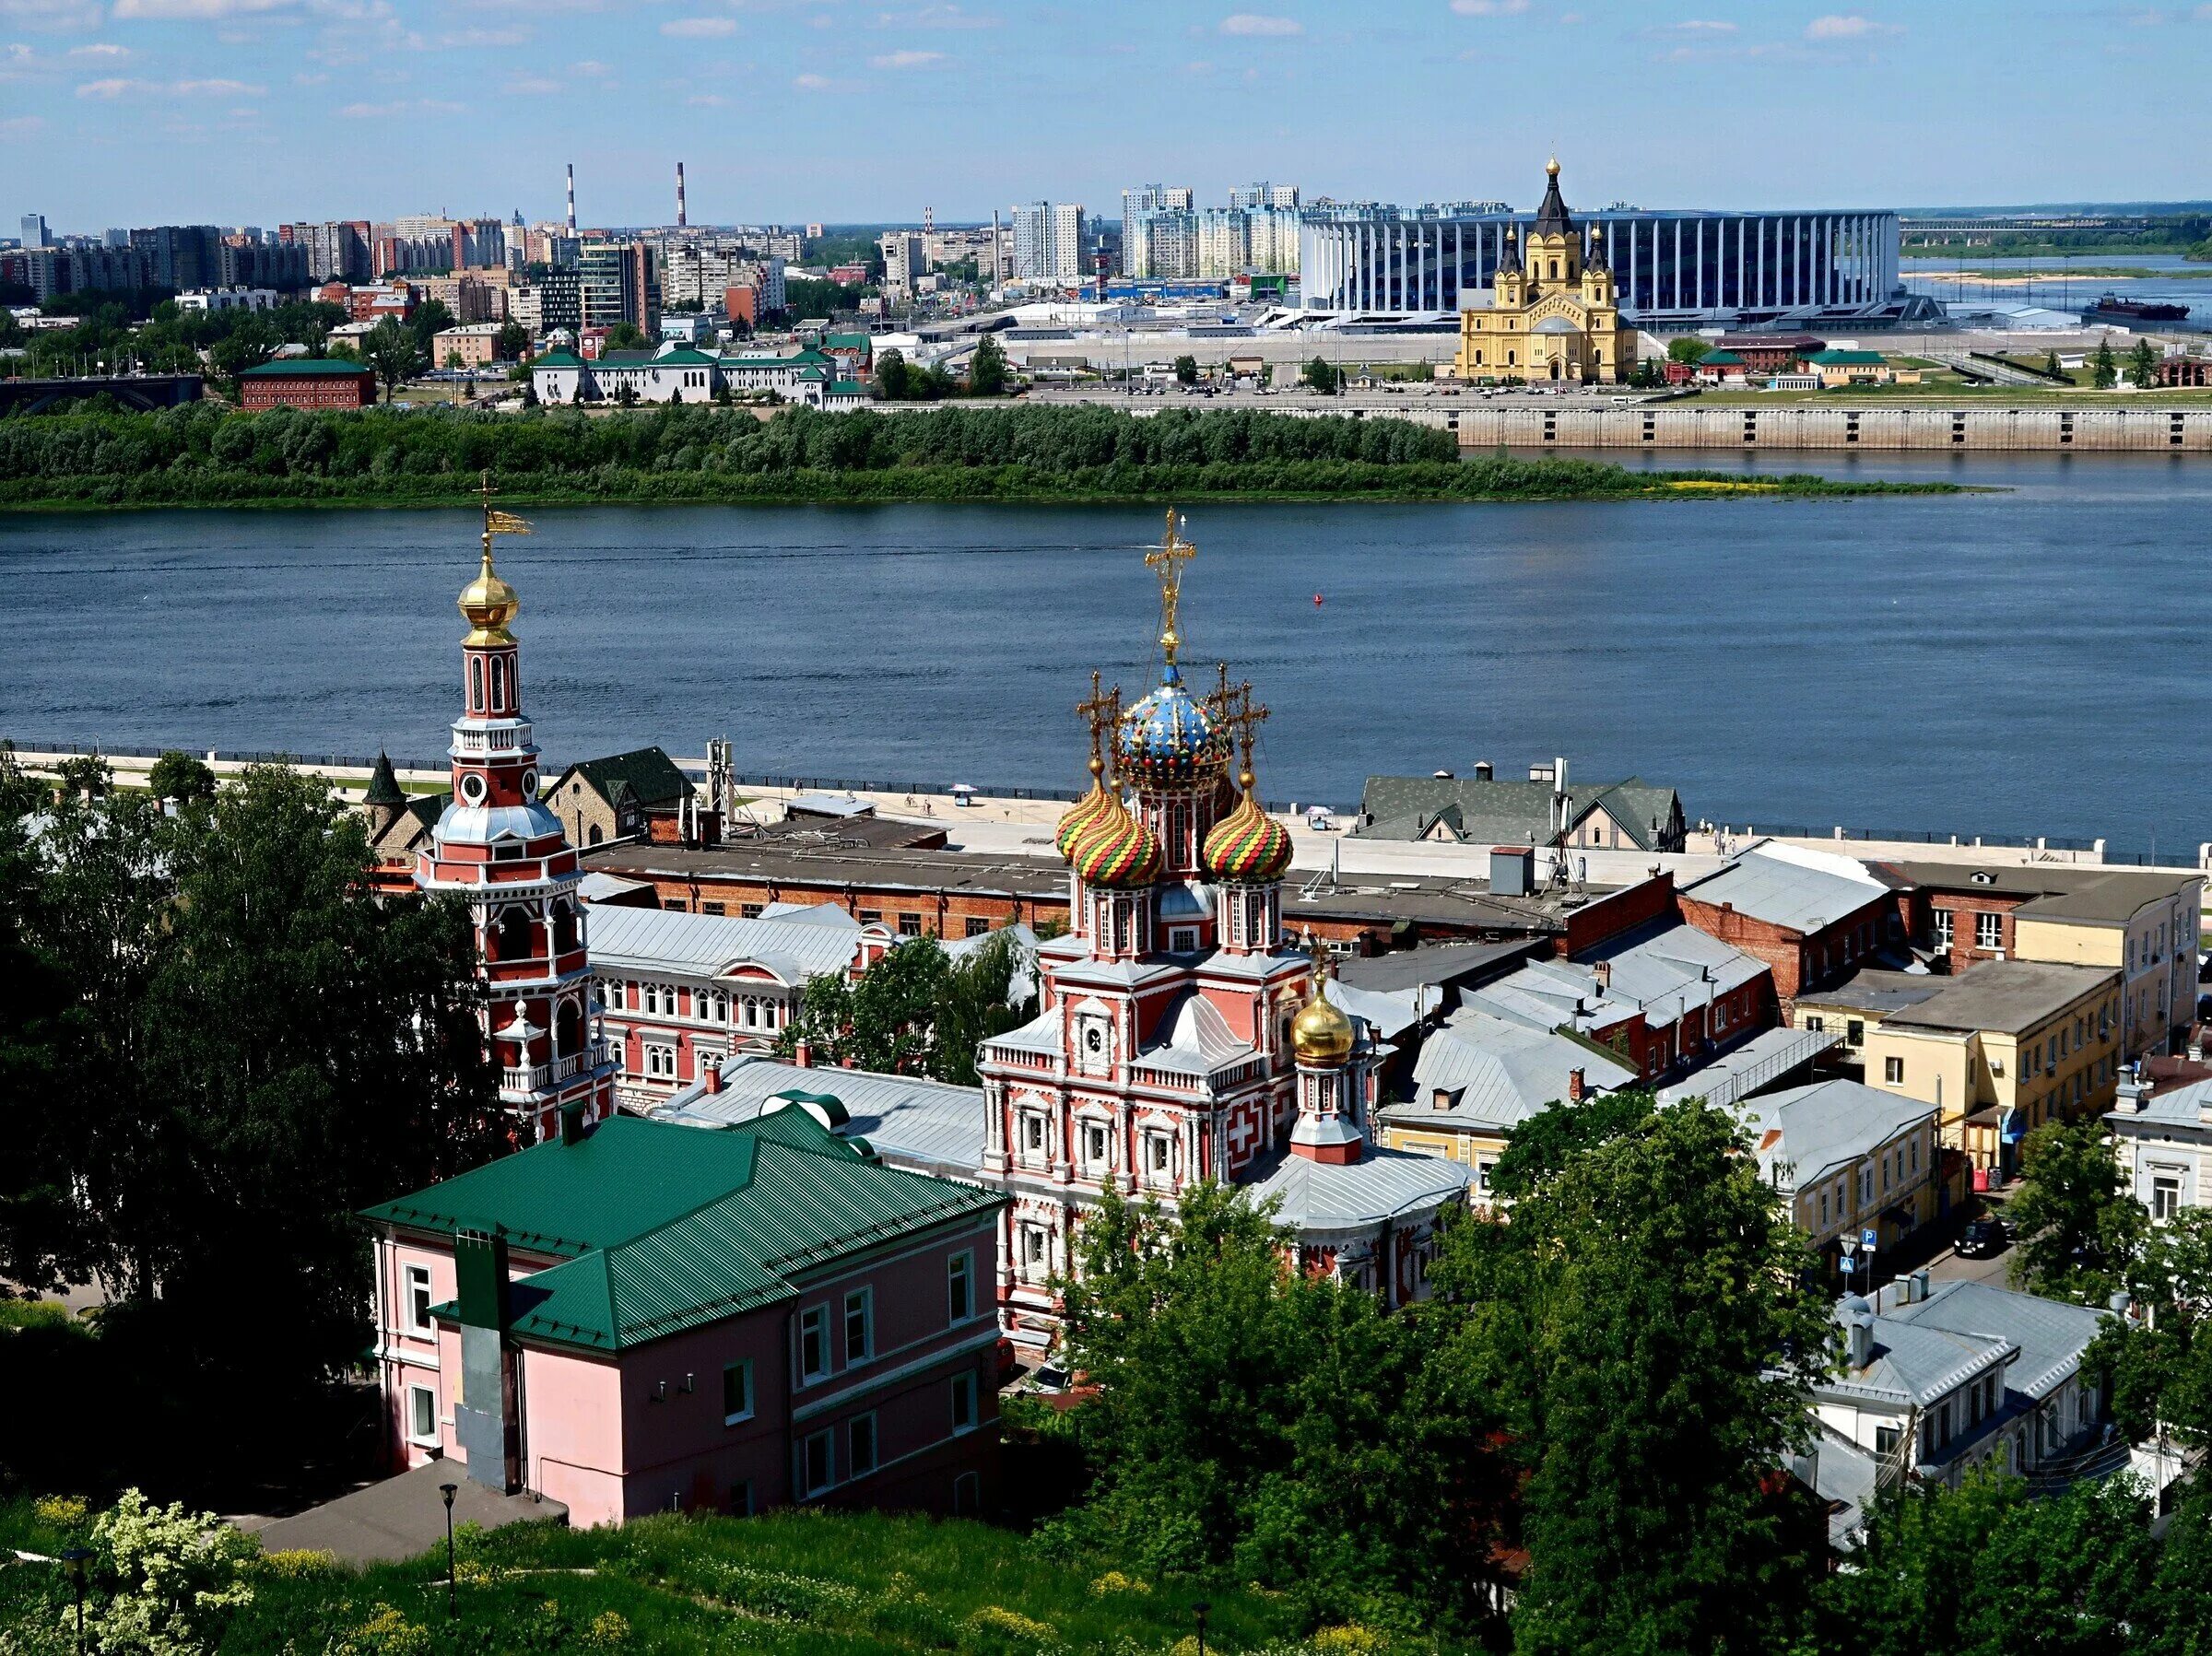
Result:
[2031,662]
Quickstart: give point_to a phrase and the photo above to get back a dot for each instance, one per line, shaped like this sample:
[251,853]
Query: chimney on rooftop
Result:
[1605,975]
[802,1054]
[1858,1329]
[1575,1088]
[713,1075]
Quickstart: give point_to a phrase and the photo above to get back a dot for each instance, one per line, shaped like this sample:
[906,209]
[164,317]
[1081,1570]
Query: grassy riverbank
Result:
[698,454]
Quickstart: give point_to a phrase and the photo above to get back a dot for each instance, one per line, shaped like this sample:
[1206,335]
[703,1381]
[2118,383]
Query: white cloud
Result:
[1840,28]
[591,68]
[464,38]
[533,85]
[1698,25]
[194,11]
[706,100]
[934,17]
[119,87]
[698,29]
[106,51]
[52,14]
[811,83]
[372,111]
[1253,23]
[20,127]
[1488,8]
[905,59]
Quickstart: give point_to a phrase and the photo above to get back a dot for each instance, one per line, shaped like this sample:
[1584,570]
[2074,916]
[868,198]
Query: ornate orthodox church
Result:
[507,855]
[1553,315]
[1181,1037]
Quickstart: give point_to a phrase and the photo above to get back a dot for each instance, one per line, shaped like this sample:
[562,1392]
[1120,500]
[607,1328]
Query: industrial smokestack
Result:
[572,201]
[929,219]
[680,219]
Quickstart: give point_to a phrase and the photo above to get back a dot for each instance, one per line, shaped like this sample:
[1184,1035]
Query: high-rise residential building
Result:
[1224,241]
[1048,243]
[337,249]
[116,237]
[1263,195]
[182,255]
[905,259]
[1164,238]
[1157,232]
[621,283]
[34,230]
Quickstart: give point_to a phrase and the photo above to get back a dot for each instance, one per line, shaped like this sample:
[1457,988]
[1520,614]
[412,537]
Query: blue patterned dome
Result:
[1168,739]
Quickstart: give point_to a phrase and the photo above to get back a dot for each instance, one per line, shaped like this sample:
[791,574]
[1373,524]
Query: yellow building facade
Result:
[1553,316]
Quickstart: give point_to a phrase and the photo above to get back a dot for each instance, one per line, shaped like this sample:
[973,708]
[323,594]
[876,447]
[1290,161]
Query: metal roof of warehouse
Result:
[1799,896]
[625,939]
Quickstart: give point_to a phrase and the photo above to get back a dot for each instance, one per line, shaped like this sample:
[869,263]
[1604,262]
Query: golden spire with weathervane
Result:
[487,602]
[1166,561]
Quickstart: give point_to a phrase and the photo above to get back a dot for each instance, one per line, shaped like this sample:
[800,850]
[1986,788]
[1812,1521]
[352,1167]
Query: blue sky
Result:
[133,112]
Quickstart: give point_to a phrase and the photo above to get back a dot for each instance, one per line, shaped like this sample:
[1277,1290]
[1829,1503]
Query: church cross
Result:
[1166,560]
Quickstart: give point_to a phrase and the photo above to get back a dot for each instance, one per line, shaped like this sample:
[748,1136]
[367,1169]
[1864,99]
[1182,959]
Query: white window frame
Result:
[414,1431]
[814,1323]
[1944,929]
[862,1302]
[827,1439]
[418,1300]
[1099,1160]
[1893,1070]
[959,1287]
[861,1425]
[966,1414]
[743,1368]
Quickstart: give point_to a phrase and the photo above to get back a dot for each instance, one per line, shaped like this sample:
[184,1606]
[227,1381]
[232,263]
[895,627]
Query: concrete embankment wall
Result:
[1871,426]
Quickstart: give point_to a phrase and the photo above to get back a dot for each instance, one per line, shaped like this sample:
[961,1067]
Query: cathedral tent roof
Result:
[383,786]
[1552,218]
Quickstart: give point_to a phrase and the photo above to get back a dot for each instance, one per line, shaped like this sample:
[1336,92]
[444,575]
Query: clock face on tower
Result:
[530,783]
[472,788]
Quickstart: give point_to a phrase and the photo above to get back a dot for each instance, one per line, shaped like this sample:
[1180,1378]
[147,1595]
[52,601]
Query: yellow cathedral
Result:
[1552,316]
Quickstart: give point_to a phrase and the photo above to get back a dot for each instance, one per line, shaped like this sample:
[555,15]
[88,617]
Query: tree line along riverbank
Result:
[206,456]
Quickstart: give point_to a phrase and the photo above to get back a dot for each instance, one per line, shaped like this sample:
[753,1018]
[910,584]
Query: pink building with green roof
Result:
[636,1317]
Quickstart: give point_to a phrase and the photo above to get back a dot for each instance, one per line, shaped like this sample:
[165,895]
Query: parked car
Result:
[1983,1237]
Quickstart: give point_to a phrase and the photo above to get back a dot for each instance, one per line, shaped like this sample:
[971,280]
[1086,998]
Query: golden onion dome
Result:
[488,604]
[1321,1035]
[1085,811]
[1116,851]
[1247,847]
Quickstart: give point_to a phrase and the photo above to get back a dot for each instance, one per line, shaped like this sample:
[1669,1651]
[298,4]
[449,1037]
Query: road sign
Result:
[1849,1246]
[1869,1240]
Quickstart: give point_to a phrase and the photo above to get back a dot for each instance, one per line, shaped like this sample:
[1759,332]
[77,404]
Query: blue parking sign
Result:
[1869,1240]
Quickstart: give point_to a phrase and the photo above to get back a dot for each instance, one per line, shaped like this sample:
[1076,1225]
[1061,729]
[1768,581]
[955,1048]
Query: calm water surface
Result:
[2030,662]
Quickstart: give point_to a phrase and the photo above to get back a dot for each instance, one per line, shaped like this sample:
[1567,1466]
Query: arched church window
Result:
[568,1030]
[475,683]
[564,928]
[498,683]
[514,935]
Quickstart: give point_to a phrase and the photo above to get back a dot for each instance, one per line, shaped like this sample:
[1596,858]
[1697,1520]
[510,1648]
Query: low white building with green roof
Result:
[682,373]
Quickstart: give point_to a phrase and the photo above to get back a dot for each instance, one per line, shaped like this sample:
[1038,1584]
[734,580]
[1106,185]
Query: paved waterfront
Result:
[2029,661]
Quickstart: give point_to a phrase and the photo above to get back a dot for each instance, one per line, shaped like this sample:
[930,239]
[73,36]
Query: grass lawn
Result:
[794,1584]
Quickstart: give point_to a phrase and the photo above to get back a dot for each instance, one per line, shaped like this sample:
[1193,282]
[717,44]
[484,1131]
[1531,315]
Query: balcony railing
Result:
[536,1077]
[471,739]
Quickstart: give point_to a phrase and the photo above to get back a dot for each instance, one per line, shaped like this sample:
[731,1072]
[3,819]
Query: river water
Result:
[2057,284]
[2030,662]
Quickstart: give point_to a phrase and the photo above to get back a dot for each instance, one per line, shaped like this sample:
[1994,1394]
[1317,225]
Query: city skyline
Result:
[133,112]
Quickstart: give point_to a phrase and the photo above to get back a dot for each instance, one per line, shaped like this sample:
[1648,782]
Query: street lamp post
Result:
[1198,1613]
[452,1605]
[74,1561]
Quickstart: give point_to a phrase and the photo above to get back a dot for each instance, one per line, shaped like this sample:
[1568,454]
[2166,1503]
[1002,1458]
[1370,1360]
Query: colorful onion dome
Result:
[1247,846]
[1321,1035]
[1085,811]
[1168,739]
[1116,851]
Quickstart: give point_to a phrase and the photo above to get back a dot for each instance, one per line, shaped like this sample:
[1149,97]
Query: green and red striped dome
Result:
[1116,851]
[1247,846]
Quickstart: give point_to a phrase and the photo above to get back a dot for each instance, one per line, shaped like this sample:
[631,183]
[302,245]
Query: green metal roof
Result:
[304,365]
[669,1227]
[846,388]
[558,359]
[1846,358]
[1719,359]
[684,357]
[849,342]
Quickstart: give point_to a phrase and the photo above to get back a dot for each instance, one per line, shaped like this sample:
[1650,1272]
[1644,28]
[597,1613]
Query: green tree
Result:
[1989,1569]
[2143,365]
[181,777]
[2156,1367]
[987,368]
[428,320]
[1320,376]
[1271,1424]
[393,353]
[2051,365]
[2104,365]
[1686,347]
[510,342]
[915,1012]
[2079,1228]
[891,375]
[626,336]
[1644,1320]
[1186,370]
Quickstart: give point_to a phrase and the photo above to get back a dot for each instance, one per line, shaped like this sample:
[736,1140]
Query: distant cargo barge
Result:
[2112,308]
